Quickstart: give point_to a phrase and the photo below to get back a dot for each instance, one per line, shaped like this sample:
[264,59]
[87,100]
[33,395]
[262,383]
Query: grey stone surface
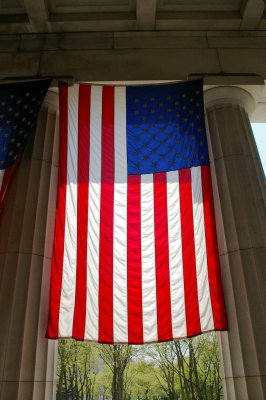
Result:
[27,359]
[146,14]
[129,58]
[252,12]
[159,40]
[33,30]
[239,193]
[122,64]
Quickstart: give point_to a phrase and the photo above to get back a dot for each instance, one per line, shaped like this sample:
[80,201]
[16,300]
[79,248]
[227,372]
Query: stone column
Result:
[239,194]
[27,359]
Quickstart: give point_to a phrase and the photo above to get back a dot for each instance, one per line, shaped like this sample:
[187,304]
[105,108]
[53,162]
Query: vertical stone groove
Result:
[239,196]
[26,357]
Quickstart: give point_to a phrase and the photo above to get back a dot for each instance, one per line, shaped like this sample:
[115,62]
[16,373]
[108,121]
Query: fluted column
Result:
[27,359]
[239,193]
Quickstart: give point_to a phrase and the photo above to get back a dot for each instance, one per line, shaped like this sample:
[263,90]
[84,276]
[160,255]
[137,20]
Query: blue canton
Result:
[165,127]
[19,107]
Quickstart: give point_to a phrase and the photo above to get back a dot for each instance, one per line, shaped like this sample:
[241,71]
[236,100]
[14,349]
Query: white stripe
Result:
[149,307]
[205,308]
[67,301]
[175,256]
[92,311]
[120,219]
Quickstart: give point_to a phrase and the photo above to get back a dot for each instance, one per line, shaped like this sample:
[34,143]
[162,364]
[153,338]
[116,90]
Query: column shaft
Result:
[27,359]
[239,193]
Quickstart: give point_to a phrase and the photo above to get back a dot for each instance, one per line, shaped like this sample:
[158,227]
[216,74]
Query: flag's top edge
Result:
[132,84]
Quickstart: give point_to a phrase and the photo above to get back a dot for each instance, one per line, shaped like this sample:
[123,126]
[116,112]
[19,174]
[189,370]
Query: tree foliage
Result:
[180,370]
[188,369]
[78,366]
[117,358]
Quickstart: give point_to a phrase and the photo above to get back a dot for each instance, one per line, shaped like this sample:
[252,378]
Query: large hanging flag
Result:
[20,103]
[135,254]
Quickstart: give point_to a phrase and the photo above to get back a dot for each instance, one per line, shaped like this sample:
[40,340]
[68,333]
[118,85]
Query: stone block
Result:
[234,60]
[10,391]
[140,64]
[157,40]
[236,40]
[26,63]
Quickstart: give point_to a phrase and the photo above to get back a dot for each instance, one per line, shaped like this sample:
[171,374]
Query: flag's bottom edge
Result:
[133,342]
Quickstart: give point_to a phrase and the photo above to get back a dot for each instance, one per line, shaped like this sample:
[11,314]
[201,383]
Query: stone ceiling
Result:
[21,16]
[130,40]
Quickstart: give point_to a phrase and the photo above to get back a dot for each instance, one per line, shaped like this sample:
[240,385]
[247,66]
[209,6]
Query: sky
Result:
[259,131]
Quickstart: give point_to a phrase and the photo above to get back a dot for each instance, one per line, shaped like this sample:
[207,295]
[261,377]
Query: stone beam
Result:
[252,11]
[38,15]
[146,14]
[147,55]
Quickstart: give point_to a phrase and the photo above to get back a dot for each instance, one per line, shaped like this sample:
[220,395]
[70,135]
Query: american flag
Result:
[135,255]
[19,106]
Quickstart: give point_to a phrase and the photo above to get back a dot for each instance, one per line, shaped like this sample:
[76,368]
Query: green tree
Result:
[78,366]
[164,358]
[142,382]
[188,369]
[117,358]
[179,370]
[104,382]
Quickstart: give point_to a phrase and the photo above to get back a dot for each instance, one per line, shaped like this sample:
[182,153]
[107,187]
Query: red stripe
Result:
[106,334]
[7,178]
[134,282]
[58,253]
[164,319]
[188,253]
[216,292]
[82,211]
